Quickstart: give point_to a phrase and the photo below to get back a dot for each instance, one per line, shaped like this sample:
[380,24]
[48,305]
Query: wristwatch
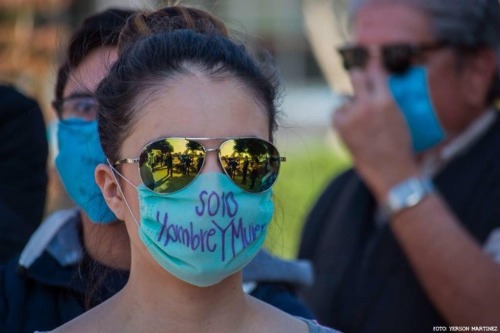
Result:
[406,194]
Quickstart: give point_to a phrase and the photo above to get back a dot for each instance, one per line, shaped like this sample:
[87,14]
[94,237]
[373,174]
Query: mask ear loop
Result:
[113,170]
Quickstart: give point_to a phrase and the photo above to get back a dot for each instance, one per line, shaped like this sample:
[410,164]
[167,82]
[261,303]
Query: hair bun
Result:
[169,18]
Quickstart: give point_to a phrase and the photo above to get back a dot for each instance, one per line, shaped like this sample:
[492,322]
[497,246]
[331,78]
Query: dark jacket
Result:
[23,176]
[53,280]
[363,281]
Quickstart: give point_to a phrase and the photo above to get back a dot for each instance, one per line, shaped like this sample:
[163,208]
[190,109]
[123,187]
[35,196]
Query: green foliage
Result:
[310,166]
[163,145]
[193,146]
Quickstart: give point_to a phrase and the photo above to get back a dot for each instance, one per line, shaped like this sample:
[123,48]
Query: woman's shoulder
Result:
[100,318]
[279,321]
[314,327]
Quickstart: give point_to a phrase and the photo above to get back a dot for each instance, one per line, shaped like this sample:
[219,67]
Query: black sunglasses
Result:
[396,58]
[170,164]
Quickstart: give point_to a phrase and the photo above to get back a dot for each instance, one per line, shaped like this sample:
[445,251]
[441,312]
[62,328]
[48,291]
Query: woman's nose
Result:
[211,162]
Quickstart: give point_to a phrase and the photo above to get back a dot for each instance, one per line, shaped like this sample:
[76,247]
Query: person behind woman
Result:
[191,234]
[46,285]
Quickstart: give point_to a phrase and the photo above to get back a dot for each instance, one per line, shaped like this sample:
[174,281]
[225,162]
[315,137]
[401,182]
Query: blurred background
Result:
[302,36]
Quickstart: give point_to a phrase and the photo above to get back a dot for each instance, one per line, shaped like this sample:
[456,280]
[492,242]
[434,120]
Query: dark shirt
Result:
[364,282]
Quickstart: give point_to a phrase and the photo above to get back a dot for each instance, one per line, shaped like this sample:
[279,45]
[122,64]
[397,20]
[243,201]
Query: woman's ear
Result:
[107,181]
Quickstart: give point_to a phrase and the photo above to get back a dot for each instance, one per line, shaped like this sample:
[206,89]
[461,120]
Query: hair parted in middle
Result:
[174,41]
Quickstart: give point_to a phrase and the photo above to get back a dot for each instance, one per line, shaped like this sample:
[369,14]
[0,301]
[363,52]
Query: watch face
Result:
[407,194]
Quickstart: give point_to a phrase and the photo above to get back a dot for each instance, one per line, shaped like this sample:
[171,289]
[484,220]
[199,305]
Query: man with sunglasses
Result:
[408,240]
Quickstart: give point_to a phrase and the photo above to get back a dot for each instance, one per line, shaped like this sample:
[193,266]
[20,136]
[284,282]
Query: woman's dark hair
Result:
[148,60]
[100,30]
[167,19]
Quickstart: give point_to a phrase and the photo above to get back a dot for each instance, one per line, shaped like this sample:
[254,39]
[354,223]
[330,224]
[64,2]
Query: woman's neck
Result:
[107,244]
[154,296]
[155,301]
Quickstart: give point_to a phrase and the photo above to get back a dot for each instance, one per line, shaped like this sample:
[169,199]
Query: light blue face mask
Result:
[79,153]
[411,93]
[206,232]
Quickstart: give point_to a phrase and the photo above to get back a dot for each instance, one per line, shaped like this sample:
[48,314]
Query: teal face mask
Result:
[206,232]
[411,93]
[79,153]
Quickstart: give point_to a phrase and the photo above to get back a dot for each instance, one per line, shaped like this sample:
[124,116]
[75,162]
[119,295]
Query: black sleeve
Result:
[23,176]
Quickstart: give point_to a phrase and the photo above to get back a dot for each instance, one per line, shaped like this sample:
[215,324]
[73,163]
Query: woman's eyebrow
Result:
[79,93]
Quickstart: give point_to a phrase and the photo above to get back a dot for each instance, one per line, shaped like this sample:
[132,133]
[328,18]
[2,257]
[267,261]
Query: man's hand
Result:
[375,132]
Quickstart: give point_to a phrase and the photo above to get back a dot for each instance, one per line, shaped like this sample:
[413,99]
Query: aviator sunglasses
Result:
[396,58]
[170,164]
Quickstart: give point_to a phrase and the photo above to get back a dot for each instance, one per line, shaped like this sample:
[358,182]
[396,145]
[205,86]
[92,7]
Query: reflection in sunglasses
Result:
[170,164]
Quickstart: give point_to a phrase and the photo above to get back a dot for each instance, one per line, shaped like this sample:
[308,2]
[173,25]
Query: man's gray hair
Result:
[462,23]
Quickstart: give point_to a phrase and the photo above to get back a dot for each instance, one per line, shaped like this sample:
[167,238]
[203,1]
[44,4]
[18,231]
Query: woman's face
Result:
[190,106]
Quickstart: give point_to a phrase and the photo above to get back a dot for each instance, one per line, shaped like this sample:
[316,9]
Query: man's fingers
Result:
[359,83]
[380,89]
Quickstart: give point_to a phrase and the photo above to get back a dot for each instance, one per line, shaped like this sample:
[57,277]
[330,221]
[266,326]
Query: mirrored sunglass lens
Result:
[169,165]
[251,163]
[397,58]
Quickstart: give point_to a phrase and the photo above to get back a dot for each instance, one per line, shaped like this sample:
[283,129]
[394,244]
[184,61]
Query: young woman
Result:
[80,257]
[191,231]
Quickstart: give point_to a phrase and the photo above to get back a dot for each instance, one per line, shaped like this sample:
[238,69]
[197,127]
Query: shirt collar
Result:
[433,163]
